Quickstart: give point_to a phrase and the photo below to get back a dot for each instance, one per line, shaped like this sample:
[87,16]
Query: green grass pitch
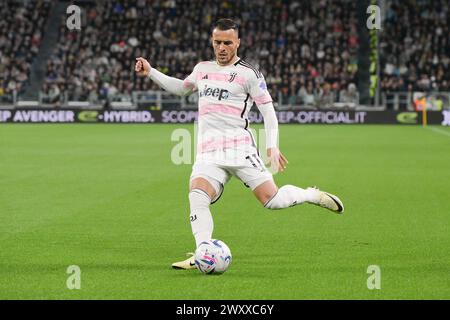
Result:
[108,199]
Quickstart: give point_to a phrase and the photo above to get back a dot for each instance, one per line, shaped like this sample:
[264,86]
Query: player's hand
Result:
[142,67]
[277,160]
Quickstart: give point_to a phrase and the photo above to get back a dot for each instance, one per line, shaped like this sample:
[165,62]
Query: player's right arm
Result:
[170,84]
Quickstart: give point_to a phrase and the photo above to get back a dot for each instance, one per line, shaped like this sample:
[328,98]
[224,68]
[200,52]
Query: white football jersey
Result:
[226,95]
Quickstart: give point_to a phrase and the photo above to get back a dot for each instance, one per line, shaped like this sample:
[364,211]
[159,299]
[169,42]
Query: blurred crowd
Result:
[278,37]
[415,46]
[307,50]
[21,29]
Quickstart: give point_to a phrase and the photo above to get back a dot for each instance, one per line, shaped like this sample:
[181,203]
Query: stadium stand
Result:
[309,51]
[415,46]
[22,27]
[174,35]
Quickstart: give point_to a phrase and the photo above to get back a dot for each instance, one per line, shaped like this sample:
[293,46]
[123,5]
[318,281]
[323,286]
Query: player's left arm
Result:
[259,93]
[278,161]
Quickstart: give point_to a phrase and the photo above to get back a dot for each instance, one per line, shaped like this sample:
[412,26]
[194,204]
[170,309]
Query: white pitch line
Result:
[444,132]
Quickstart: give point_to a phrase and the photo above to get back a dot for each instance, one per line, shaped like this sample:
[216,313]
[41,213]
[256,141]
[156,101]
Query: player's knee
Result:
[199,198]
[206,185]
[265,192]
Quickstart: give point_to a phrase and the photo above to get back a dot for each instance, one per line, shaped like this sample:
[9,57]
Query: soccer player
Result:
[227,88]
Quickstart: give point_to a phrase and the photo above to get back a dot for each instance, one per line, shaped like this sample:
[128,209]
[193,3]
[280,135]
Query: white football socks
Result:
[200,216]
[288,196]
[202,221]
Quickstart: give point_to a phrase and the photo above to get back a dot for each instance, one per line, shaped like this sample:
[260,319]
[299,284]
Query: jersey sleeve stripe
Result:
[256,71]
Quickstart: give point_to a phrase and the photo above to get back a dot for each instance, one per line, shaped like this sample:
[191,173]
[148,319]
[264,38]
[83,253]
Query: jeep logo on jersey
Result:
[220,94]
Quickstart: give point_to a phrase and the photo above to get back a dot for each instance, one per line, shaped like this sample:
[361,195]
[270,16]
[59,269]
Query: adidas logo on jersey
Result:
[220,94]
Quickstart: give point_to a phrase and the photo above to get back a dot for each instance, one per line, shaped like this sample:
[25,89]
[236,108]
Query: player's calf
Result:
[200,215]
[289,195]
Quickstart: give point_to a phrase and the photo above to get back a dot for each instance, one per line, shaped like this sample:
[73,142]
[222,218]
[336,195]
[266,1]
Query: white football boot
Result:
[328,201]
[189,263]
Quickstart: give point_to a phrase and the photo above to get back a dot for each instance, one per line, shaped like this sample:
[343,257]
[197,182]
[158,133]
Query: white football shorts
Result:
[252,174]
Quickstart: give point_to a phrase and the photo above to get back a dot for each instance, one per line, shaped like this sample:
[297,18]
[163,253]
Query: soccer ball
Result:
[212,256]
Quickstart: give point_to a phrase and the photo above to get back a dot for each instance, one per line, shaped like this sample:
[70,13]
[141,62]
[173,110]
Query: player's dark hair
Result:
[226,24]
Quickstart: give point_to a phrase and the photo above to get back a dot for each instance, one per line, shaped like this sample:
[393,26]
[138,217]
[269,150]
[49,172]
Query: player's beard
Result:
[227,62]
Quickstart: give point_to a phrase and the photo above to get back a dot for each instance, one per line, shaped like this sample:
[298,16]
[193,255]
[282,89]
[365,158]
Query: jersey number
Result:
[255,161]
